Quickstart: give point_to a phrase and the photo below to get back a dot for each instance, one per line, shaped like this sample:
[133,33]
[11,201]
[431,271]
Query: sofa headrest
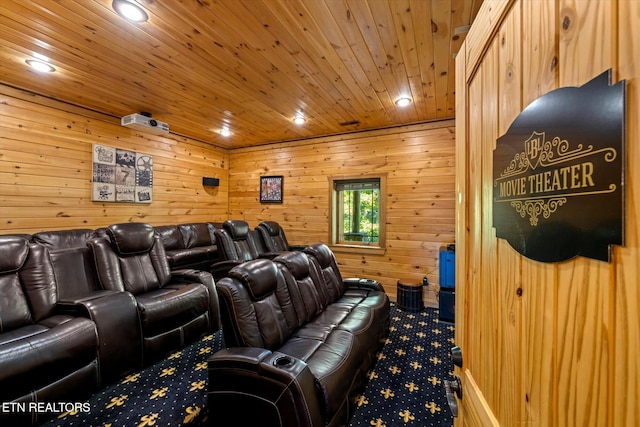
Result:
[64,239]
[238,229]
[13,252]
[171,236]
[130,238]
[296,262]
[272,227]
[197,234]
[260,276]
[321,252]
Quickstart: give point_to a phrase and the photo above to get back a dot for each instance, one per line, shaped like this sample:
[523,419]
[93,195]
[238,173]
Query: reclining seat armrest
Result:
[269,255]
[205,278]
[115,315]
[279,389]
[221,269]
[107,270]
[357,283]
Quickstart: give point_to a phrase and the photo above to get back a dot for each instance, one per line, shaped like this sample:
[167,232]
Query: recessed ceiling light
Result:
[130,11]
[299,118]
[403,101]
[225,131]
[40,66]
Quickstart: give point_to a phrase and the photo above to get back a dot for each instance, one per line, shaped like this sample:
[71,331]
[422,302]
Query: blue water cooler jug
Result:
[447,295]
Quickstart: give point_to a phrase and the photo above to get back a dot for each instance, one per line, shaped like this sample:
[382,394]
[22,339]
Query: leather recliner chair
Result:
[175,307]
[115,313]
[190,245]
[274,237]
[236,244]
[46,355]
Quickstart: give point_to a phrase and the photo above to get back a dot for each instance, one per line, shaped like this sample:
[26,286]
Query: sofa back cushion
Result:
[72,261]
[131,238]
[273,236]
[14,310]
[236,242]
[171,237]
[197,234]
[323,257]
[27,282]
[304,284]
[258,307]
[134,259]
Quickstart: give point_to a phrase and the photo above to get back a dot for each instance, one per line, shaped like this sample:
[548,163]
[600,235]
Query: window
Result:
[357,210]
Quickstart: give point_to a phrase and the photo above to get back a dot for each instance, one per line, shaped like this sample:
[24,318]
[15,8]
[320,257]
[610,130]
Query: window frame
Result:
[380,247]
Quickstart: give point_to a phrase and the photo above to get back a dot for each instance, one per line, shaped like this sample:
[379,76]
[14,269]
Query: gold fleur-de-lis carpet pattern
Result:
[406,385]
[405,388]
[172,392]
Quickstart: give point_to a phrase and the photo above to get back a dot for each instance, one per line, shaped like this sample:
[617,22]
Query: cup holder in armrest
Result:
[283,361]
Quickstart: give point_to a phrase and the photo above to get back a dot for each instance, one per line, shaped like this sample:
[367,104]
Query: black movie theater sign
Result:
[558,174]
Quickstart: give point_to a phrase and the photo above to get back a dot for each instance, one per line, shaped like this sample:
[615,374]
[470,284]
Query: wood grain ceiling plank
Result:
[197,65]
[312,92]
[357,26]
[421,12]
[335,82]
[77,57]
[461,16]
[309,65]
[248,64]
[404,53]
[380,36]
[441,18]
[192,88]
[324,30]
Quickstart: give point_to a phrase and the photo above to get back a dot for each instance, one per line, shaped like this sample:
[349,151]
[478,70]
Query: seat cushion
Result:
[36,355]
[189,256]
[333,359]
[166,308]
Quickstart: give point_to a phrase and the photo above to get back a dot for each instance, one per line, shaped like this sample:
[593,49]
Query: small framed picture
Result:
[271,189]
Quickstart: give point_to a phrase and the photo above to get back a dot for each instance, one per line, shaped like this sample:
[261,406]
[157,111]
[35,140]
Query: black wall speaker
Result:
[210,182]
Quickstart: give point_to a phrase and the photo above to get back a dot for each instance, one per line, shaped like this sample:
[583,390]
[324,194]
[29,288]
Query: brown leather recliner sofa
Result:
[175,306]
[114,313]
[274,238]
[72,322]
[190,245]
[46,354]
[237,243]
[300,341]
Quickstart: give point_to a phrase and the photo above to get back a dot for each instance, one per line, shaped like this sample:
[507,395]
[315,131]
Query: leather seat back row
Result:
[45,355]
[298,305]
[81,308]
[191,245]
[238,243]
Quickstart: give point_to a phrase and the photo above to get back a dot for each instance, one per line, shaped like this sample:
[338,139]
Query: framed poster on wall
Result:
[271,189]
[121,175]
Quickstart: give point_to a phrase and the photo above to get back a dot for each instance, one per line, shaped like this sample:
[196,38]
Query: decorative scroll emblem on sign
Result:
[558,182]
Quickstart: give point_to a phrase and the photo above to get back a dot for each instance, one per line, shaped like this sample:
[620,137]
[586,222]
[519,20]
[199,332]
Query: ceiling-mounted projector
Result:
[145,123]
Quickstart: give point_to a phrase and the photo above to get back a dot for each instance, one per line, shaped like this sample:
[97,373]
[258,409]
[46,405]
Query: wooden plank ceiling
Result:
[199,65]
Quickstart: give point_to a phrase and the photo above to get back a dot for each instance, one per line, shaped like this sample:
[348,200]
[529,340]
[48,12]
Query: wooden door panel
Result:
[543,344]
[476,410]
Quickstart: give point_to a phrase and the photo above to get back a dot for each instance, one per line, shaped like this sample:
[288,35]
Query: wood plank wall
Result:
[419,162]
[545,344]
[45,178]
[45,169]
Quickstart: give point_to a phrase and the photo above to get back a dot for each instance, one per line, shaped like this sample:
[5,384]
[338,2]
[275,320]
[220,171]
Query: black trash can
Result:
[409,296]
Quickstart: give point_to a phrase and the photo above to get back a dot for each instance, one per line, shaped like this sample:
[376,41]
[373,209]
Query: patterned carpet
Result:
[405,388]
[172,392]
